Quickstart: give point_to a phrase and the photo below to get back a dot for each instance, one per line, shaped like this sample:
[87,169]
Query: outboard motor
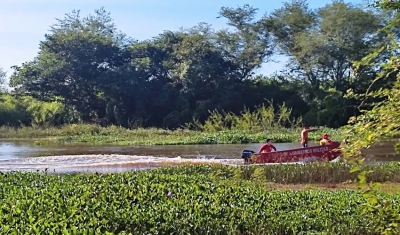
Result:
[246,155]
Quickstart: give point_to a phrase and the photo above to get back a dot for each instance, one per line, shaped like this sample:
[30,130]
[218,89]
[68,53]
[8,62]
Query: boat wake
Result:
[105,163]
[102,163]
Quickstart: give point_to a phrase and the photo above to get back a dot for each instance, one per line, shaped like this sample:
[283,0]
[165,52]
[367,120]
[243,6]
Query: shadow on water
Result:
[26,156]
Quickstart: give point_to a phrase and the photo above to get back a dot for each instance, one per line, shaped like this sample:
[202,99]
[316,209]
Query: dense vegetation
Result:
[87,71]
[379,117]
[225,128]
[94,134]
[315,173]
[175,201]
[343,64]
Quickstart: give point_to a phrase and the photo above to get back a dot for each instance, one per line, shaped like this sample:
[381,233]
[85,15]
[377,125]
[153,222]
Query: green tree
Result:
[74,63]
[194,73]
[246,44]
[3,76]
[322,45]
[105,77]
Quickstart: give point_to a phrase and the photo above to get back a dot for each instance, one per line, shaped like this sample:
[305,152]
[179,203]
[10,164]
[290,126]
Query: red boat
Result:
[321,153]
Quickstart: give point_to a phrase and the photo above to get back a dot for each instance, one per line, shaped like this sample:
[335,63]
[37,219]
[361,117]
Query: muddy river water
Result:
[26,156]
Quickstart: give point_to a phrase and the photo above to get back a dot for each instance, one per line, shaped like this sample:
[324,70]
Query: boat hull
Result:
[318,153]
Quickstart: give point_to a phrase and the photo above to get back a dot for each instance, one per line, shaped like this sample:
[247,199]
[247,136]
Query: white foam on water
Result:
[108,163]
[104,161]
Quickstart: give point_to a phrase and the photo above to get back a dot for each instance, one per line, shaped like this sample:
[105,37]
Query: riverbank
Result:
[114,135]
[184,200]
[387,187]
[292,174]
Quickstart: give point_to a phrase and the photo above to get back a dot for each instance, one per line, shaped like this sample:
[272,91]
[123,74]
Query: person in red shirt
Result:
[267,147]
[325,140]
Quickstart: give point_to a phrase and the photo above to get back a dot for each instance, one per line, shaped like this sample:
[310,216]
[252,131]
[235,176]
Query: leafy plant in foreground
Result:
[156,202]
[380,120]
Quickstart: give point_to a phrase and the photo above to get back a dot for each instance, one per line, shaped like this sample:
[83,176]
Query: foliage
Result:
[106,78]
[76,63]
[96,134]
[322,45]
[174,203]
[262,119]
[312,173]
[11,111]
[3,75]
[28,111]
[379,119]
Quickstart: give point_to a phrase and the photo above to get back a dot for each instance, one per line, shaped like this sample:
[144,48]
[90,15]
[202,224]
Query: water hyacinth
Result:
[137,203]
[115,135]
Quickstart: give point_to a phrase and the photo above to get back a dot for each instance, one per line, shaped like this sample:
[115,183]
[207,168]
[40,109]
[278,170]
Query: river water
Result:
[26,156]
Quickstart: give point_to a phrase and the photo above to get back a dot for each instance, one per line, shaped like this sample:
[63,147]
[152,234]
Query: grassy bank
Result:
[313,173]
[176,200]
[387,187]
[95,134]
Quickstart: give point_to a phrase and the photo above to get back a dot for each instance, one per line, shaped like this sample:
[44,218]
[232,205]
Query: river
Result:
[26,156]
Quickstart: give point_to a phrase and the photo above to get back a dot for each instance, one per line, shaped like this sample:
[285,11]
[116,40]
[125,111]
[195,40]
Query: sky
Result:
[23,23]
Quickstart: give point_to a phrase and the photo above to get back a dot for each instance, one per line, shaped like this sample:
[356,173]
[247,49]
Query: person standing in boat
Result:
[304,136]
[325,140]
[267,147]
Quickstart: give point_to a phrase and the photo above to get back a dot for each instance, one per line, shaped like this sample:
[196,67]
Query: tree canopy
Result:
[3,75]
[101,75]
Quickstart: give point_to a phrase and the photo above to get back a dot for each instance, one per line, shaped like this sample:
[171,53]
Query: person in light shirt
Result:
[267,147]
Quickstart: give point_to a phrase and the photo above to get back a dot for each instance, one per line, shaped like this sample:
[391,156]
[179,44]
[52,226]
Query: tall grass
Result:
[313,173]
[264,118]
[95,134]
[220,128]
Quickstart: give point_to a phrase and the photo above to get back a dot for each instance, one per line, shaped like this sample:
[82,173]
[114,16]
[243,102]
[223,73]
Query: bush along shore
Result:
[179,200]
[219,128]
[95,134]
[312,173]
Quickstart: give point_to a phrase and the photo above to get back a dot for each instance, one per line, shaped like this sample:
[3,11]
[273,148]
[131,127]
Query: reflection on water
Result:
[84,158]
